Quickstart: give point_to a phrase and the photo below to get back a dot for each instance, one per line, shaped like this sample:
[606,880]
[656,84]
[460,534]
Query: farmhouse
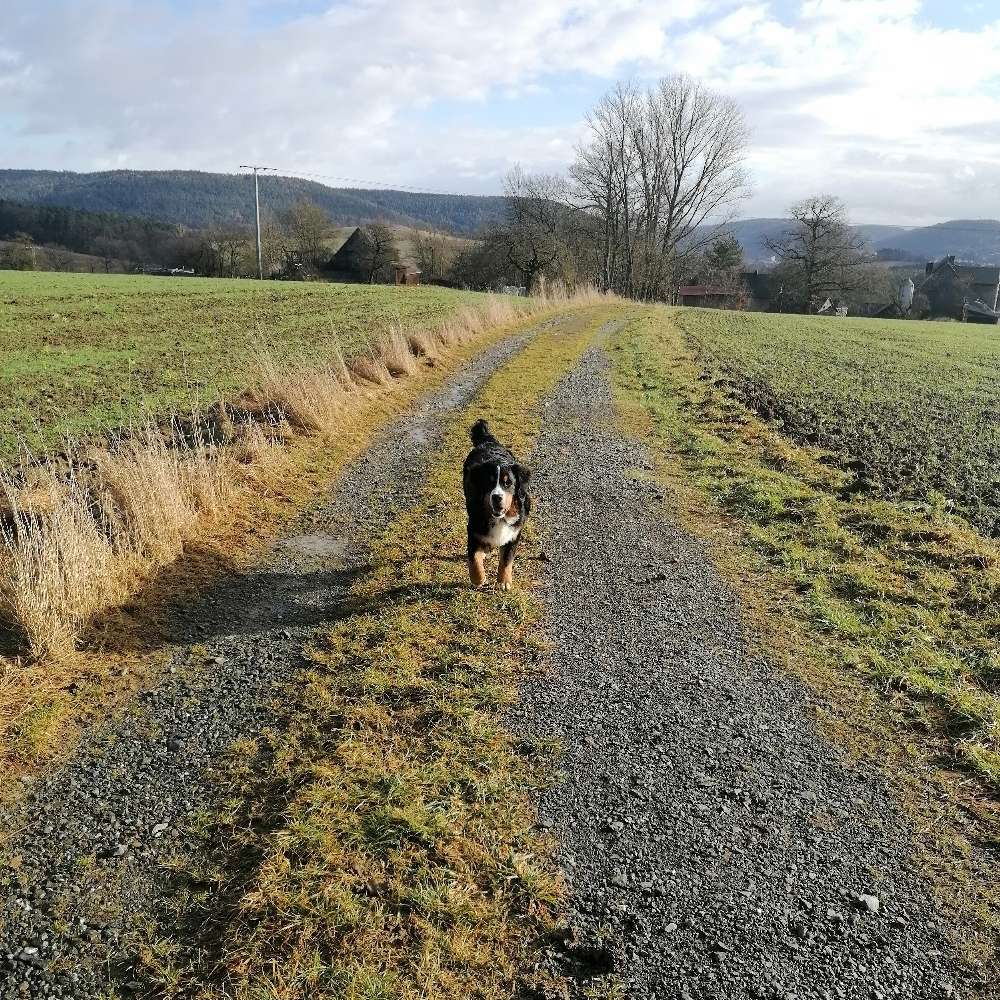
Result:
[349,247]
[964,291]
[710,296]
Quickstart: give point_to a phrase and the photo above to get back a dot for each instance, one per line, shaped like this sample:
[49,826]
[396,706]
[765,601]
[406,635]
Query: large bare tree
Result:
[821,256]
[379,252]
[661,172]
[534,240]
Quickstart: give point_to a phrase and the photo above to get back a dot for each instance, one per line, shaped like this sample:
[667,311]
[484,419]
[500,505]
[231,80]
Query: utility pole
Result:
[256,200]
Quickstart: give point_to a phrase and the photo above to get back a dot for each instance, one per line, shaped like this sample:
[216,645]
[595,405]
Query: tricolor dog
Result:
[496,497]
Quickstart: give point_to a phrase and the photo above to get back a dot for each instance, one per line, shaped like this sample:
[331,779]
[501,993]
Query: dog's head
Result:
[502,488]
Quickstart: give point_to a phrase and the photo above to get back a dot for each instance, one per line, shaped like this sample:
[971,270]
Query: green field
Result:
[915,407]
[80,352]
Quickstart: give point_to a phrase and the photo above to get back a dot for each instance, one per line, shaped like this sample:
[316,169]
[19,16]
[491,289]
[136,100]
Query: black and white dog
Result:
[496,497]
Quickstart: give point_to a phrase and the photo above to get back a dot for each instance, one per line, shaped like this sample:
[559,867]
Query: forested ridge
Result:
[197,199]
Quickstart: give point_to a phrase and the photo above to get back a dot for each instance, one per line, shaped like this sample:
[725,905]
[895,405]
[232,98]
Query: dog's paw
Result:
[504,585]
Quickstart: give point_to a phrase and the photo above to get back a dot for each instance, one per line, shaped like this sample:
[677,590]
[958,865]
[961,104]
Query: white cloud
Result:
[853,97]
[863,98]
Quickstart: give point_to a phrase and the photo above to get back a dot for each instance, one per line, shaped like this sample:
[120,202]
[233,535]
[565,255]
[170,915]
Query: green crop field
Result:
[81,352]
[914,406]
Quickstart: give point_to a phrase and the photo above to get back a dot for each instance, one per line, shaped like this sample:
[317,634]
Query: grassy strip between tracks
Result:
[890,610]
[390,827]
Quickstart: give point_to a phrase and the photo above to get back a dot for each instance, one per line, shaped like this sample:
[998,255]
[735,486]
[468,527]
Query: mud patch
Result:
[318,544]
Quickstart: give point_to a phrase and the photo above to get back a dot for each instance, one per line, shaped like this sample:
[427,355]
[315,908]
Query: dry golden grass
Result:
[395,352]
[311,398]
[107,524]
[423,344]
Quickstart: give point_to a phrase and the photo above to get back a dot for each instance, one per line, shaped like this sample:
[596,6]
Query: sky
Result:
[893,105]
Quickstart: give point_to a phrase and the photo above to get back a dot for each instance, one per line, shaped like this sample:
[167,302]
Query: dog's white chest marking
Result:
[502,532]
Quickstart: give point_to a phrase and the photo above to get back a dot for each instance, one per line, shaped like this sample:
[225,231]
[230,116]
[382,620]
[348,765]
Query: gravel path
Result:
[100,827]
[716,844]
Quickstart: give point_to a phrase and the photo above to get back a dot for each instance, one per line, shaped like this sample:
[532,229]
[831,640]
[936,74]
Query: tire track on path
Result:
[84,869]
[716,844]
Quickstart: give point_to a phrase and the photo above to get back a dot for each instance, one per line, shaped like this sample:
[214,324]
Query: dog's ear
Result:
[523,474]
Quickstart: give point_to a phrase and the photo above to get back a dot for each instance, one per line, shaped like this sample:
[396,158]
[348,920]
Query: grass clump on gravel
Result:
[890,608]
[390,826]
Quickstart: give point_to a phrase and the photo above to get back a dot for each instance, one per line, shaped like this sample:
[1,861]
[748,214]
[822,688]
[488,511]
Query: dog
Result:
[498,503]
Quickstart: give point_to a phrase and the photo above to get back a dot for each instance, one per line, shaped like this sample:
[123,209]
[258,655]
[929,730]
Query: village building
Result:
[349,247]
[963,291]
[708,296]
[350,259]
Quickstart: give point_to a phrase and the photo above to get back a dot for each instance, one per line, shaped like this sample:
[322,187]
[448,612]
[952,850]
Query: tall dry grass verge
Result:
[310,398]
[85,541]
[395,352]
[107,523]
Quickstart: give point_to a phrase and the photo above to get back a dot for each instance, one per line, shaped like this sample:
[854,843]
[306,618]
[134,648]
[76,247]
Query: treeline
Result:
[644,211]
[197,200]
[658,174]
[49,237]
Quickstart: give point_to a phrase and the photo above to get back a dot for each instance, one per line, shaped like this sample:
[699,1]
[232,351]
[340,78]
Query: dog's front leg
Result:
[505,571]
[477,563]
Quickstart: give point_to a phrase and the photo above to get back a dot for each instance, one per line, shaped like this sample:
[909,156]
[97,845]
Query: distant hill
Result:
[196,199]
[752,234]
[975,240]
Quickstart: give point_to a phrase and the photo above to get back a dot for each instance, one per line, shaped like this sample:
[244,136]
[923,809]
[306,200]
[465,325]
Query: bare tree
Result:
[661,171]
[60,259]
[604,173]
[379,253]
[435,255]
[535,240]
[233,245]
[659,174]
[107,248]
[821,255]
[308,226]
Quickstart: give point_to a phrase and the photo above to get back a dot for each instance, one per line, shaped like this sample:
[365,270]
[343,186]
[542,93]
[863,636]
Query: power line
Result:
[256,199]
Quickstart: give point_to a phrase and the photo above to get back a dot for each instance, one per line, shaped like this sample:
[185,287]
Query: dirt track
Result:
[716,844]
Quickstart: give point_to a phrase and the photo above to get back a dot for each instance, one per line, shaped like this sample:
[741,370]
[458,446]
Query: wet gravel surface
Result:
[716,845]
[93,835]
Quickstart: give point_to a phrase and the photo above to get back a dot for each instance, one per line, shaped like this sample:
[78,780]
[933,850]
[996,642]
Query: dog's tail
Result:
[480,432]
